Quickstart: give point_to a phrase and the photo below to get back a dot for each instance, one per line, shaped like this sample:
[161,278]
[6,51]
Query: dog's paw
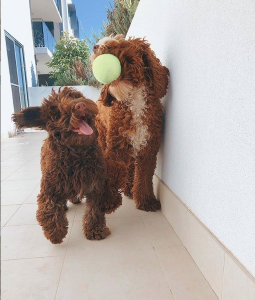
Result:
[151,205]
[55,236]
[98,234]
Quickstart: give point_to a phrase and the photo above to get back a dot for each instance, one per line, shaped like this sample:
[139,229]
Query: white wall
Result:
[16,21]
[207,156]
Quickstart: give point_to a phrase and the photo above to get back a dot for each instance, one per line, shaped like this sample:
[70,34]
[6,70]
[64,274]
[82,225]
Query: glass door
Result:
[17,69]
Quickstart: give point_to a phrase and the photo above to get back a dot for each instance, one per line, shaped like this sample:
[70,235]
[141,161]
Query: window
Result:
[17,69]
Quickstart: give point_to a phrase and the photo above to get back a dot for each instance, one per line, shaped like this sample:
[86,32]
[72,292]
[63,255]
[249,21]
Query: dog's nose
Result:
[80,108]
[95,48]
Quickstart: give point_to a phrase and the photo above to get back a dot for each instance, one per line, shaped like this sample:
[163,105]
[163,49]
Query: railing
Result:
[58,3]
[43,36]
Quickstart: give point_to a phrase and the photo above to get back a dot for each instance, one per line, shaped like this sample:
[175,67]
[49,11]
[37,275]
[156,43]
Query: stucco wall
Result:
[207,156]
[16,21]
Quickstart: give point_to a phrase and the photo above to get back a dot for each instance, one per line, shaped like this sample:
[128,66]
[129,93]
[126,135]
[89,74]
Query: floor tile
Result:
[7,212]
[126,233]
[25,175]
[28,241]
[152,293]
[31,279]
[127,209]
[183,276]
[160,231]
[10,197]
[26,215]
[32,198]
[236,285]
[128,273]
[18,185]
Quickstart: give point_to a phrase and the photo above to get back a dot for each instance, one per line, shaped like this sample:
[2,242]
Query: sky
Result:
[91,14]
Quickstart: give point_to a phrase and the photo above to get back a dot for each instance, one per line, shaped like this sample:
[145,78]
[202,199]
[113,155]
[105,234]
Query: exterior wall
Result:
[207,156]
[16,21]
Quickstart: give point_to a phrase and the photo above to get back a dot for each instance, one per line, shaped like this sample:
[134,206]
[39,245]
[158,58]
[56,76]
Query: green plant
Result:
[120,16]
[67,51]
[68,77]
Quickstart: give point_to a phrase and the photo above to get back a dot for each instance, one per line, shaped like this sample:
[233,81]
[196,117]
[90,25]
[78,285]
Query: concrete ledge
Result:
[227,277]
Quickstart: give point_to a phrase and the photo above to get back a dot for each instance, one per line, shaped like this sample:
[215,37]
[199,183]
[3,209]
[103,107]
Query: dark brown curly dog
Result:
[130,118]
[72,163]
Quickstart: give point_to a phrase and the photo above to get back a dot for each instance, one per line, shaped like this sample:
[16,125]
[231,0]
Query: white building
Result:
[29,35]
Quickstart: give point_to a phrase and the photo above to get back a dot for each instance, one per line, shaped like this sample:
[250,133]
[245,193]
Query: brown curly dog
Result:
[72,164]
[130,118]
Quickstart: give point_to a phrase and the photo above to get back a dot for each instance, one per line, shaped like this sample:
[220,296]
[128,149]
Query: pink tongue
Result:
[85,128]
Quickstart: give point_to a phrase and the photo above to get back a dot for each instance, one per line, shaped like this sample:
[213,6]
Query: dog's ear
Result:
[105,96]
[157,76]
[30,117]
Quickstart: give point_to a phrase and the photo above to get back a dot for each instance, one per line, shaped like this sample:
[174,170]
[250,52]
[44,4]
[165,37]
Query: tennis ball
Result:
[106,68]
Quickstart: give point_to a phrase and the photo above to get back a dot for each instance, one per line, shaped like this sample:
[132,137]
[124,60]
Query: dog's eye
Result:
[57,135]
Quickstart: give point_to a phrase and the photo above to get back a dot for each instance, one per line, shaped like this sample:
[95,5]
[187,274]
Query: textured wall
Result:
[208,150]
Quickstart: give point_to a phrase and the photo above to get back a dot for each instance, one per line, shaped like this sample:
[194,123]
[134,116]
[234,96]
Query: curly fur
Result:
[130,117]
[72,165]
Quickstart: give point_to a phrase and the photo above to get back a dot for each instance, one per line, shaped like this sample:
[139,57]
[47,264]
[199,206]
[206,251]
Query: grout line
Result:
[11,259]
[154,250]
[221,295]
[19,208]
[71,229]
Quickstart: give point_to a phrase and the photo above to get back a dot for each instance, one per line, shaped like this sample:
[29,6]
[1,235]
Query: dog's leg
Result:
[94,224]
[51,215]
[128,186]
[143,186]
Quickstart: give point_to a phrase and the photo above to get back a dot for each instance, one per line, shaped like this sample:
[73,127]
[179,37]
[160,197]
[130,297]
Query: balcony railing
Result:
[43,36]
[58,3]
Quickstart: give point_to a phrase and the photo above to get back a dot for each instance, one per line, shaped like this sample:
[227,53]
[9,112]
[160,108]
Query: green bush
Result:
[67,51]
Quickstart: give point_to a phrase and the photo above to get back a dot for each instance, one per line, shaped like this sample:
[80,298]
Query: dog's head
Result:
[140,66]
[68,117]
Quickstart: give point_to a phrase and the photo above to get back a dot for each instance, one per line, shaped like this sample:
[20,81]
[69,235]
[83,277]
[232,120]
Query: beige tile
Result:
[7,154]
[237,285]
[31,279]
[184,278]
[11,163]
[25,175]
[7,212]
[127,233]
[5,175]
[129,273]
[127,209]
[26,215]
[14,197]
[32,198]
[152,293]
[251,289]
[28,241]
[160,231]
[30,167]
[206,251]
[19,185]
[93,276]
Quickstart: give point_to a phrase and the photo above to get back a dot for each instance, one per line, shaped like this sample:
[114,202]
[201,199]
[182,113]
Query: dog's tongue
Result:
[84,128]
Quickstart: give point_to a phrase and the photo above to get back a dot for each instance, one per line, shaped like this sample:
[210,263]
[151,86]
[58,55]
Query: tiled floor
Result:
[142,259]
